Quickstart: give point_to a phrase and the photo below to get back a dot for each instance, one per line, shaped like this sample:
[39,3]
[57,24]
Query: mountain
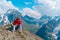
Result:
[44,27]
[44,19]
[9,16]
[6,34]
[3,20]
[49,29]
[29,20]
[29,23]
[12,14]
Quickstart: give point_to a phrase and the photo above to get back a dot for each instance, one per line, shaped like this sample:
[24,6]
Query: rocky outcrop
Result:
[9,35]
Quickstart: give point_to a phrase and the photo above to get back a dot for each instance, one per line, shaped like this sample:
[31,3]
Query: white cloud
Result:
[49,7]
[4,6]
[31,13]
[27,3]
[51,3]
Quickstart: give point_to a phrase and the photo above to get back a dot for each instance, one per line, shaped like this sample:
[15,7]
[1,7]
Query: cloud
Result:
[49,7]
[27,3]
[4,6]
[50,3]
[31,13]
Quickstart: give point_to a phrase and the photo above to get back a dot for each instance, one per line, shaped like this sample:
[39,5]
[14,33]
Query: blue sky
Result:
[34,8]
[23,3]
[48,7]
[27,7]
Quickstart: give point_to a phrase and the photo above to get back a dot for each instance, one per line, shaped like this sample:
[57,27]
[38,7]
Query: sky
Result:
[33,8]
[23,3]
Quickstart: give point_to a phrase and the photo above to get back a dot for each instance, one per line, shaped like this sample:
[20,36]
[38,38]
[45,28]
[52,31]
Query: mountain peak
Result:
[8,35]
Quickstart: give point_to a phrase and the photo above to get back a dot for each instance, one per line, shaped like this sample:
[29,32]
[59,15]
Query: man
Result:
[18,23]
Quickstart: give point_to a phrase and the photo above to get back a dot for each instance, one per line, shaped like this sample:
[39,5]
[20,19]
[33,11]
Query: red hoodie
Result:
[17,22]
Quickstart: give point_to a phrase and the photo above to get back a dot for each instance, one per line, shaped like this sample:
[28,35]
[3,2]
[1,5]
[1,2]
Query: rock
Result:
[9,35]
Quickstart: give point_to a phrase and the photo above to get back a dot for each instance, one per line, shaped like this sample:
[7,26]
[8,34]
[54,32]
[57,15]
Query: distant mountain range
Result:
[44,27]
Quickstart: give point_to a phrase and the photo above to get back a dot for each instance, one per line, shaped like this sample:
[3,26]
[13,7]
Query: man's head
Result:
[17,18]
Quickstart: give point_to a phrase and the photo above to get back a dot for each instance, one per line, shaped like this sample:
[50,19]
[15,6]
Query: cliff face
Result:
[9,35]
